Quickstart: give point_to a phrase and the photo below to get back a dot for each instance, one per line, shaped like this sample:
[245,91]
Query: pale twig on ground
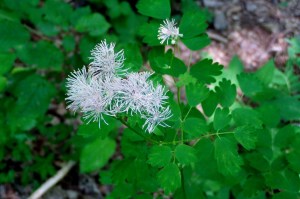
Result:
[217,37]
[52,181]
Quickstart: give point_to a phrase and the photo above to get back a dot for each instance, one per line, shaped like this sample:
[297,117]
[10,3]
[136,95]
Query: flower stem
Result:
[182,183]
[137,132]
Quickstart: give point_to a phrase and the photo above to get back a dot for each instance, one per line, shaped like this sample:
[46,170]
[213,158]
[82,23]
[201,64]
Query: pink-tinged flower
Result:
[168,31]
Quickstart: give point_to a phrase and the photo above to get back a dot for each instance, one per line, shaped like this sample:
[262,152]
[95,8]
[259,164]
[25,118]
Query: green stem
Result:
[182,183]
[137,132]
[187,114]
[196,139]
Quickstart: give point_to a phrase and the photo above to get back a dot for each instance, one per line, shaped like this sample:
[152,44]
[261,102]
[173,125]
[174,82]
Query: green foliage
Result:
[166,63]
[205,70]
[33,97]
[159,9]
[226,92]
[185,154]
[221,118]
[160,156]
[95,155]
[196,93]
[219,143]
[194,126]
[246,136]
[32,54]
[229,162]
[9,40]
[210,103]
[169,178]
[89,22]
[193,26]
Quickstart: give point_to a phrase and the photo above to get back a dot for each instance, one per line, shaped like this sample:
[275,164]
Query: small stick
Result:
[217,37]
[52,181]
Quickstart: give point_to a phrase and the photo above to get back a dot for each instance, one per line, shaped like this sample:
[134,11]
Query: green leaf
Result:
[246,136]
[160,9]
[226,92]
[205,70]
[86,44]
[285,195]
[33,94]
[221,118]
[69,43]
[196,93]
[12,35]
[246,116]
[96,154]
[95,24]
[229,162]
[185,79]
[34,55]
[53,9]
[47,28]
[205,154]
[6,62]
[160,156]
[269,114]
[286,180]
[185,154]
[149,32]
[169,178]
[258,161]
[194,126]
[293,160]
[165,63]
[235,67]
[197,43]
[96,129]
[288,107]
[192,24]
[134,59]
[266,73]
[210,103]
[284,136]
[252,185]
[249,84]
[78,13]
[3,83]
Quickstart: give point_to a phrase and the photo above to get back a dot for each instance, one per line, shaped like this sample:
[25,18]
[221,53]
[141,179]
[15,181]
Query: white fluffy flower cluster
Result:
[106,88]
[168,31]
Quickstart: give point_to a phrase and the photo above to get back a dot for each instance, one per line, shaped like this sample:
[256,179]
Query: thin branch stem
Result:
[137,132]
[37,33]
[196,139]
[182,183]
[52,181]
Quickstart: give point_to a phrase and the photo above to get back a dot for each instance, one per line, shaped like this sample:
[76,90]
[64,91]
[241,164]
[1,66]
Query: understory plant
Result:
[155,122]
[191,130]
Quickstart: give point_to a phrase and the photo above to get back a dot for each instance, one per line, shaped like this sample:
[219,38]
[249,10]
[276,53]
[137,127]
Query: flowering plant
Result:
[158,122]
[193,137]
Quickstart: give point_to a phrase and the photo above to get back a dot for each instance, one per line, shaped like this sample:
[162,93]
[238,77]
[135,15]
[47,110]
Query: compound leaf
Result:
[205,70]
[221,118]
[96,154]
[160,9]
[185,154]
[246,136]
[160,156]
[226,92]
[169,178]
[229,162]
